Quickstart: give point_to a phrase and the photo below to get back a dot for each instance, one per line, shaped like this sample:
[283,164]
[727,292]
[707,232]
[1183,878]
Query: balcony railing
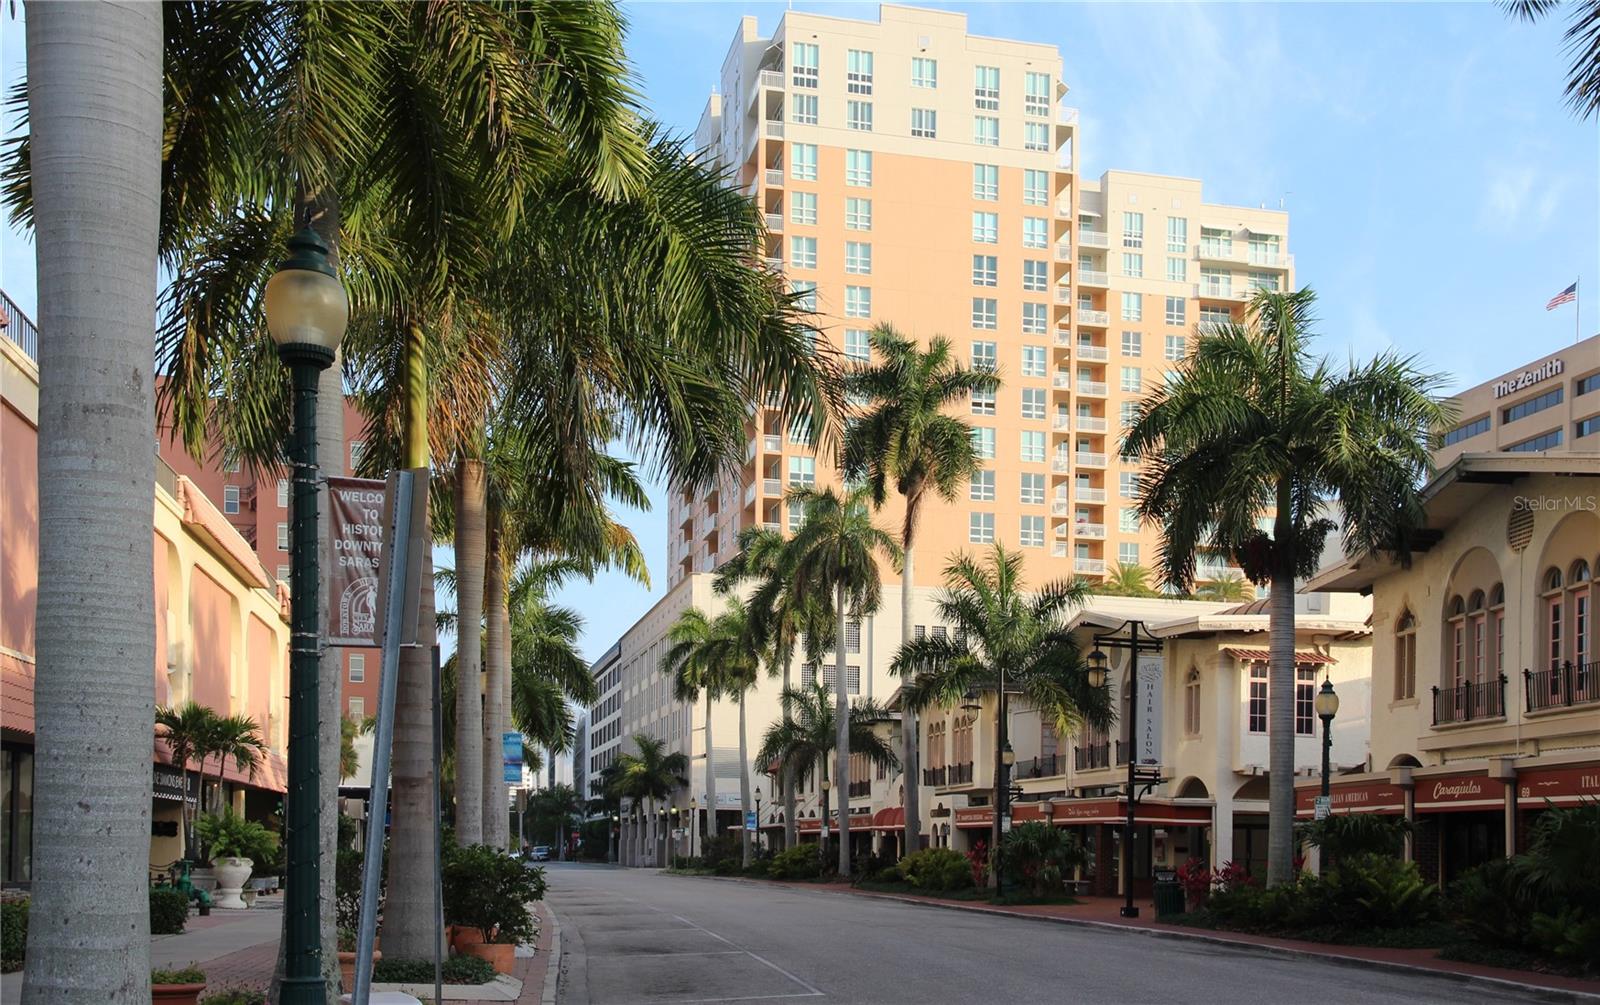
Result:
[775,221]
[1089,566]
[1094,388]
[1090,530]
[19,328]
[1063,295]
[1061,422]
[1092,353]
[1468,702]
[773,262]
[775,176]
[772,443]
[1060,508]
[1060,463]
[1086,316]
[1058,550]
[1063,251]
[1562,687]
[1063,337]
[1089,495]
[1093,238]
[1063,381]
[1122,752]
[960,774]
[774,129]
[1039,767]
[1088,757]
[771,78]
[1090,424]
[771,487]
[859,789]
[934,776]
[1093,277]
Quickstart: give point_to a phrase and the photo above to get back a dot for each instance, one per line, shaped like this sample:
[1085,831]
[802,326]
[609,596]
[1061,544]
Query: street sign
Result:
[511,755]
[1005,824]
[1323,805]
[750,821]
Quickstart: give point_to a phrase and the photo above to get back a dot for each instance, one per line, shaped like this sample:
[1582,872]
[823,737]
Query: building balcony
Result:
[771,525]
[1060,508]
[1089,316]
[773,129]
[1063,381]
[1266,260]
[1092,531]
[1221,291]
[1091,353]
[1058,550]
[1060,463]
[1469,702]
[1092,388]
[1217,251]
[1089,459]
[1063,251]
[770,78]
[1085,495]
[1064,295]
[1061,422]
[1047,766]
[750,451]
[1089,566]
[775,177]
[772,487]
[750,494]
[1093,277]
[772,443]
[958,774]
[1089,423]
[19,328]
[860,790]
[934,776]
[775,222]
[1093,239]
[1064,337]
[773,262]
[1562,687]
[1091,756]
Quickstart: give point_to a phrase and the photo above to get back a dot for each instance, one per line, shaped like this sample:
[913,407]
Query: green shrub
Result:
[347,887]
[13,934]
[454,970]
[869,868]
[190,974]
[721,853]
[936,870]
[800,862]
[1376,891]
[229,835]
[1038,856]
[489,890]
[169,911]
[237,996]
[1349,834]
[758,867]
[891,875]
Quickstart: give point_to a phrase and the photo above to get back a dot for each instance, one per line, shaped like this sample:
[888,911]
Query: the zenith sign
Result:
[1527,378]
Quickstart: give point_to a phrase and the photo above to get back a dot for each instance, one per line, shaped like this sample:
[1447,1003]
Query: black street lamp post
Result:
[757,837]
[1327,707]
[306,311]
[1097,678]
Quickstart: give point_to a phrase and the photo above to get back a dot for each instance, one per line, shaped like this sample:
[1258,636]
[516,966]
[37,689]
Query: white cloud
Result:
[1518,196]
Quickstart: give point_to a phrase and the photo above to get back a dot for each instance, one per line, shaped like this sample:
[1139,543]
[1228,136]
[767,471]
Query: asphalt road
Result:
[638,936]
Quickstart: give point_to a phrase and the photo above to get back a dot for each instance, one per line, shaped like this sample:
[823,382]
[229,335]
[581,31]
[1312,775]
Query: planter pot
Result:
[232,874]
[501,955]
[464,936]
[176,994]
[347,968]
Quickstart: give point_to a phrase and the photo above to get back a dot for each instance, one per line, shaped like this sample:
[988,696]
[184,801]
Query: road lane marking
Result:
[811,991]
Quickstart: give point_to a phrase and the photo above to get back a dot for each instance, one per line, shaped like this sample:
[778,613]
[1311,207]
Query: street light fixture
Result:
[306,313]
[822,831]
[1097,678]
[1327,704]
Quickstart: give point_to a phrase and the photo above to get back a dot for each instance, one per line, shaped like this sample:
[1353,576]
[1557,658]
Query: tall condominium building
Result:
[916,175]
[1551,404]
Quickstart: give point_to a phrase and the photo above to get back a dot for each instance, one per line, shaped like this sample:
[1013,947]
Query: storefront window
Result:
[16,816]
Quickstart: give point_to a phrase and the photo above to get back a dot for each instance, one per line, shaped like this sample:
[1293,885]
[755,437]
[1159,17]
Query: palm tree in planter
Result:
[1254,432]
[235,737]
[835,561]
[1007,641]
[188,730]
[648,772]
[809,731]
[907,439]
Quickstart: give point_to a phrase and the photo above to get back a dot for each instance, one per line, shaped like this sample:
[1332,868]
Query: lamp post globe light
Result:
[306,312]
[1327,705]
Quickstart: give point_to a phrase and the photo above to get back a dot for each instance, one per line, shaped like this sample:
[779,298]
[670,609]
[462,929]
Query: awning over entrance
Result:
[1301,656]
[1539,787]
[1072,812]
[1459,794]
[1351,797]
[892,818]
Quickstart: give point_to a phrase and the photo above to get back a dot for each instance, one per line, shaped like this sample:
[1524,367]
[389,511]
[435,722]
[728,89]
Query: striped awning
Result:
[1301,656]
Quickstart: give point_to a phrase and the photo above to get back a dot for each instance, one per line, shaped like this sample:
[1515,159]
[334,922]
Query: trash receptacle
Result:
[1168,893]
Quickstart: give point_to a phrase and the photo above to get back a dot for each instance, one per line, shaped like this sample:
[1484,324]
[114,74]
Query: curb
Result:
[1538,991]
[552,970]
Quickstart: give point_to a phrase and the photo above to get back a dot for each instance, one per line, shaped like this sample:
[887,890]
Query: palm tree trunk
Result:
[841,749]
[94,101]
[498,656]
[909,737]
[711,784]
[1280,694]
[790,825]
[470,500]
[744,785]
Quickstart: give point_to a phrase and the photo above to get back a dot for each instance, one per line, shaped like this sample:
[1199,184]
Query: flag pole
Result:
[1577,311]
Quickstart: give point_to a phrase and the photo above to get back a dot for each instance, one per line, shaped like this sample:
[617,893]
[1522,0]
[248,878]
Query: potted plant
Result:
[487,892]
[179,987]
[347,957]
[234,844]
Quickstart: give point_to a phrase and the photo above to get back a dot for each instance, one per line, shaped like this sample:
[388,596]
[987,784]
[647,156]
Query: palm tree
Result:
[1253,430]
[1583,43]
[235,737]
[649,772]
[351,727]
[1007,641]
[836,554]
[95,128]
[809,731]
[188,732]
[559,803]
[908,439]
[1228,588]
[471,500]
[1125,580]
[695,646]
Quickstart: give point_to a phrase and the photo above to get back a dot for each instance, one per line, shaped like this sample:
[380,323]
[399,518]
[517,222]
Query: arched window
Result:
[1456,632]
[1554,618]
[1191,702]
[1580,596]
[1497,630]
[1405,657]
[1477,638]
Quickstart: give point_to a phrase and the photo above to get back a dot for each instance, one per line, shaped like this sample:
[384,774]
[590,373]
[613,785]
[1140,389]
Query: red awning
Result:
[891,819]
[1301,656]
[272,774]
[1350,797]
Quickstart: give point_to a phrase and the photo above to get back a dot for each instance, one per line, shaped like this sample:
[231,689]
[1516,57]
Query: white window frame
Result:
[985,270]
[1030,531]
[1033,402]
[986,130]
[1035,232]
[804,62]
[857,213]
[925,123]
[986,182]
[1030,488]
[986,88]
[1035,187]
[858,116]
[1031,448]
[980,528]
[803,208]
[858,301]
[985,356]
[924,72]
[802,252]
[858,258]
[985,313]
[1132,229]
[858,71]
[985,227]
[803,109]
[1034,360]
[858,168]
[803,162]
[980,487]
[230,499]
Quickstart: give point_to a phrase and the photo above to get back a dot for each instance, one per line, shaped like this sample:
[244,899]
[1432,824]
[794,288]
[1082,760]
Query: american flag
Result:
[1566,296]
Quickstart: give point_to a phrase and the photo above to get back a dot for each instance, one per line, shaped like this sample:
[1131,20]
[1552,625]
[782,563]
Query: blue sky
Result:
[1439,191]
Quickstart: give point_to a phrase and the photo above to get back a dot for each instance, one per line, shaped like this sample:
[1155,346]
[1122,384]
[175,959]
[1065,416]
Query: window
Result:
[858,116]
[283,491]
[803,208]
[858,72]
[802,252]
[983,441]
[1177,270]
[1539,403]
[1128,484]
[983,401]
[1305,694]
[1035,187]
[230,498]
[925,123]
[230,462]
[797,517]
[1031,531]
[1263,249]
[1034,319]
[803,62]
[1216,243]
[1177,235]
[1036,94]
[1127,519]
[1036,136]
[1033,403]
[358,667]
[986,228]
[1128,552]
[1133,264]
[1033,358]
[980,528]
[1263,281]
[852,636]
[985,358]
[283,537]
[982,486]
[1133,230]
[1032,489]
[1544,441]
[1405,657]
[1215,315]
[985,313]
[985,131]
[1035,232]
[1583,385]
[986,88]
[805,294]
[358,707]
[1586,427]
[1216,282]
[803,109]
[358,449]
[1191,703]
[802,470]
[858,344]
[1177,308]
[1033,446]
[1176,348]
[924,72]
[803,162]
[858,214]
[800,430]
[1132,307]
[1258,698]
[858,257]
[1035,275]
[858,168]
[1466,431]
[283,574]
[1132,344]
[857,302]
[986,182]
[985,270]
[1126,411]
[1132,379]
[852,678]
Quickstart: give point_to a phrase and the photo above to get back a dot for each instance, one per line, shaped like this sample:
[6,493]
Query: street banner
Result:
[511,755]
[355,546]
[750,820]
[1147,744]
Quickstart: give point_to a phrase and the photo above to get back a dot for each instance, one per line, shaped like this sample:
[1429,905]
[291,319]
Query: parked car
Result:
[541,853]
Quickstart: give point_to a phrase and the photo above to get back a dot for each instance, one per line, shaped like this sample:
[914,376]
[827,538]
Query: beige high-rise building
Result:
[914,174]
